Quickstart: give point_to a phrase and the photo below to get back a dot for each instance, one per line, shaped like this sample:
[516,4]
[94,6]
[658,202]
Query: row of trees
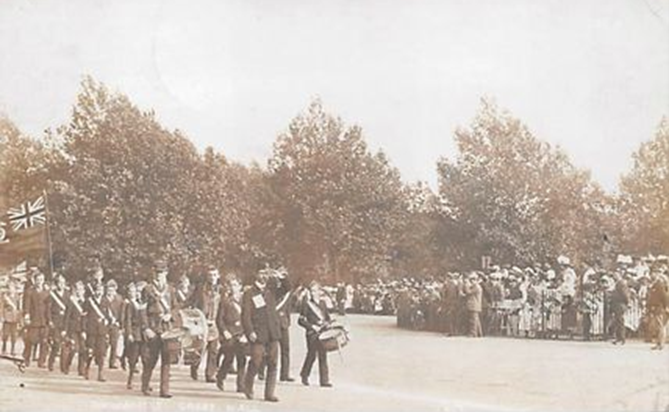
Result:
[125,191]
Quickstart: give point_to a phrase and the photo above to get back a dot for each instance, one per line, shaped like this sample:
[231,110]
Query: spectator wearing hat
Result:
[620,299]
[657,306]
[474,296]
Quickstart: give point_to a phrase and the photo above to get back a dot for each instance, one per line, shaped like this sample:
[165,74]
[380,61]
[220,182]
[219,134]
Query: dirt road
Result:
[387,369]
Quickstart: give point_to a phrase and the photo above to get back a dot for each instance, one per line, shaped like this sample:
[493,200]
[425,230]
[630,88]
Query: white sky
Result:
[589,75]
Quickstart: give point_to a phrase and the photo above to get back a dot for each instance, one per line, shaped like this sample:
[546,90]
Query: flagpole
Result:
[48,233]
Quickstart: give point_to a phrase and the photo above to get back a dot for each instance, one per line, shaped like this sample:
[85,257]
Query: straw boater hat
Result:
[563,260]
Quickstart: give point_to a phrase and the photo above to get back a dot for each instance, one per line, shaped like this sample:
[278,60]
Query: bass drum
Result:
[195,331]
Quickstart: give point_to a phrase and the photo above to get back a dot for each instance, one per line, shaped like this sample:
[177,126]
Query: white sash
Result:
[96,308]
[317,310]
[76,305]
[56,299]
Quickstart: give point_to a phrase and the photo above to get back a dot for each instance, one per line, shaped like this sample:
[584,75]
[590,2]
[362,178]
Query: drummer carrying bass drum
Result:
[314,317]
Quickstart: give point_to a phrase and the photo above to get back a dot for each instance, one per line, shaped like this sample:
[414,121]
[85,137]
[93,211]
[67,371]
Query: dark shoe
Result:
[193,375]
[326,385]
[240,390]
[272,399]
[128,386]
[305,381]
[101,379]
[249,395]
[113,366]
[288,379]
[165,395]
[210,380]
[146,392]
[220,385]
[261,377]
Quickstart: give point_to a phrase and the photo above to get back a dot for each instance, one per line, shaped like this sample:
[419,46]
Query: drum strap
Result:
[317,310]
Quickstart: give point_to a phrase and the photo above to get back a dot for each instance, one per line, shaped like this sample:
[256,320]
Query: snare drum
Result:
[333,338]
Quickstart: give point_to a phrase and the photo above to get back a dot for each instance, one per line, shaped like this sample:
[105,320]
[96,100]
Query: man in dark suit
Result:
[314,317]
[37,316]
[75,333]
[161,304]
[59,297]
[184,292]
[657,306]
[450,296]
[474,296]
[260,321]
[133,315]
[97,330]
[620,299]
[207,298]
[116,305]
[231,332]
[280,283]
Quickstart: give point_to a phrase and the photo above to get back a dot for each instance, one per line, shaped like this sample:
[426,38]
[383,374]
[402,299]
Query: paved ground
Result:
[388,369]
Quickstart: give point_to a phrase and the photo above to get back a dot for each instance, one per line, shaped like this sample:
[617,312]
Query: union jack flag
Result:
[28,214]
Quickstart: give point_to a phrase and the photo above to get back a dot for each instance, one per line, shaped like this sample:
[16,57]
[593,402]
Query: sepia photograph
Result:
[334,205]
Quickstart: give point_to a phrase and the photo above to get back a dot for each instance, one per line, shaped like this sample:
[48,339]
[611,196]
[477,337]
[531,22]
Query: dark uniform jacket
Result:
[58,308]
[133,318]
[658,296]
[37,306]
[207,298]
[229,317]
[75,316]
[158,303]
[283,295]
[116,306]
[450,293]
[313,316]
[620,297]
[97,316]
[259,314]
